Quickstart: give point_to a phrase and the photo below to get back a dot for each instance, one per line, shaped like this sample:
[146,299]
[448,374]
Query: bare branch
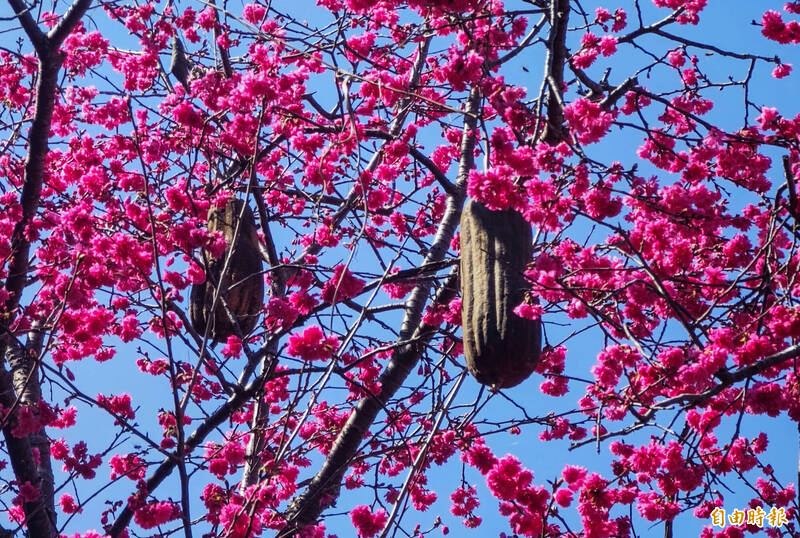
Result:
[554,65]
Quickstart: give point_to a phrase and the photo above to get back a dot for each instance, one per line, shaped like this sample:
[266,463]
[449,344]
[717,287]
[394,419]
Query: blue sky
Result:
[725,23]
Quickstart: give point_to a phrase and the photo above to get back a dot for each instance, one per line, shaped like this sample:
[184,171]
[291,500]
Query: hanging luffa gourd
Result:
[501,348]
[241,284]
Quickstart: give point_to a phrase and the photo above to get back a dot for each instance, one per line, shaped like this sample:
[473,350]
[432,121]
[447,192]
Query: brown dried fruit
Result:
[241,286]
[501,348]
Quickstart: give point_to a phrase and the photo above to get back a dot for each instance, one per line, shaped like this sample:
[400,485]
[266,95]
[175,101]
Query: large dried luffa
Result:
[501,348]
[240,284]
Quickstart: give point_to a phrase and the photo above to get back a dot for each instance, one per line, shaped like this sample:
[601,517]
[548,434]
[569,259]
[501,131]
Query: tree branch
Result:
[423,159]
[324,488]
[222,413]
[24,364]
[691,400]
[397,125]
[554,64]
[35,34]
[68,21]
[38,518]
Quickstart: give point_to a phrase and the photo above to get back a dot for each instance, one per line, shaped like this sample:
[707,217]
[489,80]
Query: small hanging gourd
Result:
[501,348]
[242,284]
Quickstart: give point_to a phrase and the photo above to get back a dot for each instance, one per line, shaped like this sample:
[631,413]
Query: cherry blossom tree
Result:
[655,158]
